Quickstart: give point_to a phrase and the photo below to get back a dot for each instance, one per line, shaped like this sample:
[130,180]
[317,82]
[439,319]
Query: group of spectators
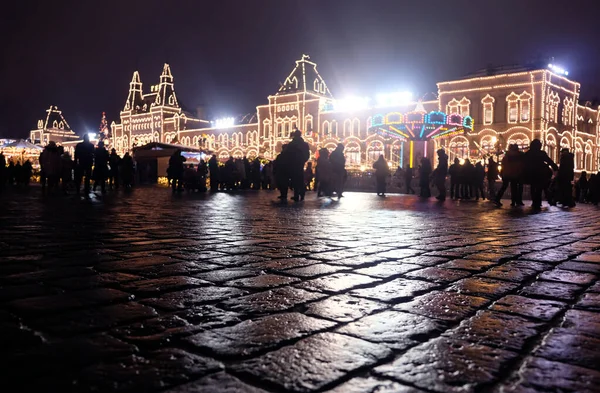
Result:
[14,174]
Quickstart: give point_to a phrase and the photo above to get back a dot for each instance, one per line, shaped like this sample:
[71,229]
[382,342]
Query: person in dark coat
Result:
[255,174]
[27,172]
[202,173]
[308,175]
[297,154]
[51,162]
[213,168]
[11,172]
[424,175]
[84,160]
[382,171]
[582,187]
[478,180]
[594,189]
[323,174]
[512,174]
[113,175]
[101,159]
[2,171]
[408,177]
[66,169]
[281,173]
[440,173]
[454,172]
[564,178]
[228,174]
[338,169]
[468,179]
[127,169]
[492,176]
[176,170]
[538,171]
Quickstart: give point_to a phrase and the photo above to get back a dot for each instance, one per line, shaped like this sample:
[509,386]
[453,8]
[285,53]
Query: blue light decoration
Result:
[377,120]
[468,122]
[435,117]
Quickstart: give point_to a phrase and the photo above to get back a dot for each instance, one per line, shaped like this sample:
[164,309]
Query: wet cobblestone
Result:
[150,292]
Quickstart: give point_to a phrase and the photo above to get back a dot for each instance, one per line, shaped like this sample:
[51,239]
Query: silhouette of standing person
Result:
[84,160]
[2,171]
[281,173]
[537,171]
[512,174]
[176,170]
[454,172]
[113,176]
[298,153]
[52,165]
[492,176]
[478,181]
[202,172]
[468,179]
[382,171]
[440,173]
[424,175]
[213,168]
[127,170]
[582,187]
[101,158]
[566,173]
[308,175]
[323,173]
[338,169]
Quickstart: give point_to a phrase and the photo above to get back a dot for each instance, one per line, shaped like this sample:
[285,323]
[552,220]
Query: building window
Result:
[452,106]
[513,107]
[352,153]
[279,130]
[356,127]
[488,109]
[568,112]
[525,111]
[464,107]
[326,128]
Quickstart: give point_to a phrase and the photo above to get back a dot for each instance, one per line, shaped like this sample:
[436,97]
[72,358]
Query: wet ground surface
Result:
[236,293]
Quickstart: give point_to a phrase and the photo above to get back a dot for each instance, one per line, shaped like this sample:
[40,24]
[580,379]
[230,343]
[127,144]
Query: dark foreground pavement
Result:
[234,293]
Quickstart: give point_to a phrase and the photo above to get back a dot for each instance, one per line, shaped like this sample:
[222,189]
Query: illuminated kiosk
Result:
[414,131]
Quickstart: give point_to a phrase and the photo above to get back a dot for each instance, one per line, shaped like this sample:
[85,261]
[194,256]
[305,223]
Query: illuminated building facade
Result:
[53,127]
[471,118]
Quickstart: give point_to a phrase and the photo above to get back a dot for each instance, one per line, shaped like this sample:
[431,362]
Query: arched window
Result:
[453,106]
[267,128]
[334,129]
[326,128]
[488,109]
[356,127]
[308,124]
[458,148]
[520,140]
[525,102]
[568,112]
[512,105]
[347,127]
[588,157]
[374,150]
[552,107]
[551,146]
[579,159]
[464,107]
[488,144]
[352,153]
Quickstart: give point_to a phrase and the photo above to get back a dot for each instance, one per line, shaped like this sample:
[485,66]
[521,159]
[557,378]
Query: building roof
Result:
[55,120]
[305,78]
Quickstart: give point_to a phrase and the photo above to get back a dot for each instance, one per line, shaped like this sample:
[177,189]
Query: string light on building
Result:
[558,70]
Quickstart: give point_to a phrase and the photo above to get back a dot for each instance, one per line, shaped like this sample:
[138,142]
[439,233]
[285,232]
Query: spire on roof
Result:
[306,79]
[166,93]
[135,100]
[420,107]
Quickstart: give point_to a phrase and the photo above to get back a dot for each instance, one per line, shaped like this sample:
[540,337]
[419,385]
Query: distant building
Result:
[53,127]
[471,117]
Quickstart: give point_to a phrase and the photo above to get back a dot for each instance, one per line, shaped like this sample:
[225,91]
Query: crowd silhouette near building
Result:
[94,167]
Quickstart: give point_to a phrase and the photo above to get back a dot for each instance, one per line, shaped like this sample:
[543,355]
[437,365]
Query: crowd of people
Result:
[292,170]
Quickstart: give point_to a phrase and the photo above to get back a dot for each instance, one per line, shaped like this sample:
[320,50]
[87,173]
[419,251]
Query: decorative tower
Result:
[166,93]
[135,101]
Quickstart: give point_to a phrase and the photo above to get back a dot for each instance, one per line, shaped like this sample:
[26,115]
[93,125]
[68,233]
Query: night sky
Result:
[229,55]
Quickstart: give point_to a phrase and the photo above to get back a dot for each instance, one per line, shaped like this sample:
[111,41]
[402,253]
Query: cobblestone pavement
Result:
[235,293]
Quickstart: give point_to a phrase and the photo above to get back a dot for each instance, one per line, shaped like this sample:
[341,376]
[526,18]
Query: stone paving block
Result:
[438,275]
[566,345]
[337,282]
[79,321]
[155,331]
[373,385]
[44,276]
[279,299]
[424,260]
[591,257]
[262,281]
[359,260]
[567,276]
[473,265]
[149,287]
[549,376]
[260,334]
[314,362]
[509,273]
[388,269]
[318,269]
[112,279]
[399,253]
[36,306]
[552,290]
[223,275]
[343,308]
[180,300]
[136,264]
[580,267]
[496,329]
[398,330]
[208,316]
[282,264]
[447,306]
[541,309]
[583,321]
[220,381]
[546,256]
[395,290]
[158,370]
[334,255]
[589,301]
[484,287]
[446,365]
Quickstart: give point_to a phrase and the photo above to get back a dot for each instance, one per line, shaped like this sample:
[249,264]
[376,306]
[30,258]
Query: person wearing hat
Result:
[564,178]
[296,154]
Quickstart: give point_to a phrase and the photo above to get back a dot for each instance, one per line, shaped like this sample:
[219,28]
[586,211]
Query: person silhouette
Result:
[537,171]
[84,160]
[439,176]
[424,175]
[338,169]
[297,154]
[382,171]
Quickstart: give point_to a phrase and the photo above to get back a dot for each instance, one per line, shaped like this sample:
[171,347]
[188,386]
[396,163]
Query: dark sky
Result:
[229,55]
